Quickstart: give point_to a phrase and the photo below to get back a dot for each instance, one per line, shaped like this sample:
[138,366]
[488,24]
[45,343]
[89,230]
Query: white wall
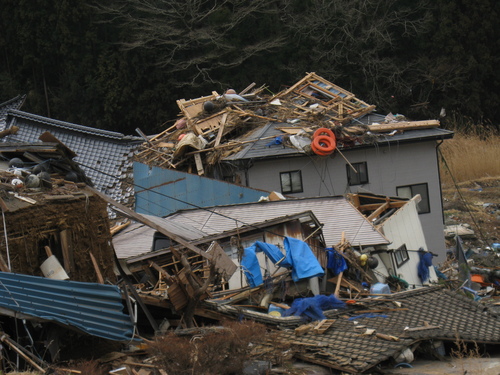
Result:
[388,167]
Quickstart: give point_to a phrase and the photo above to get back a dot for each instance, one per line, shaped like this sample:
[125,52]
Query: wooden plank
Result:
[404,125]
[48,251]
[221,129]
[199,164]
[378,211]
[68,259]
[303,329]
[151,224]
[96,267]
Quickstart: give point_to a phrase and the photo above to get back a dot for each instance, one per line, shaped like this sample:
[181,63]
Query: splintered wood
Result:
[224,121]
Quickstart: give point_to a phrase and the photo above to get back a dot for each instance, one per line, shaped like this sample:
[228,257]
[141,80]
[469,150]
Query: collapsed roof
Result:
[241,126]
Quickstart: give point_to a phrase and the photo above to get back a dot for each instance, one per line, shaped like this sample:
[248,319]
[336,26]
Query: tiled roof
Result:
[344,347]
[14,103]
[263,147]
[105,156]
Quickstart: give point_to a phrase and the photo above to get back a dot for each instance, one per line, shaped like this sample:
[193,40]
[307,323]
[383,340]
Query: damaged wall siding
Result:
[31,228]
[402,230]
[388,167]
[155,185]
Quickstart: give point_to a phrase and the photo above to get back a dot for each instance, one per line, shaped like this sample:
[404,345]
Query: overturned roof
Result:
[137,238]
[95,309]
[105,156]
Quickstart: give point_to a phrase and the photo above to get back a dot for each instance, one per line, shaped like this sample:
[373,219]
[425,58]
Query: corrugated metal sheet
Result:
[95,309]
[161,192]
[336,213]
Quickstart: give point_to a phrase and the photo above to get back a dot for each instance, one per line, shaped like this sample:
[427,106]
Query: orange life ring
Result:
[324,144]
[317,152]
[322,131]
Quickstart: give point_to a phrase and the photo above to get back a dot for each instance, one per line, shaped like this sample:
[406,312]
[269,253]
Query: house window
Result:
[401,255]
[357,178]
[291,182]
[410,191]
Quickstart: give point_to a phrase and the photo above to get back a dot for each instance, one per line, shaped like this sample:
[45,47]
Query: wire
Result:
[466,204]
[191,204]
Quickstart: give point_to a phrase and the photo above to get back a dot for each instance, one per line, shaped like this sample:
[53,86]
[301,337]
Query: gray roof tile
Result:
[102,154]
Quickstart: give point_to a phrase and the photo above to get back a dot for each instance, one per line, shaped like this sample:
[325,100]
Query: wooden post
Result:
[66,251]
[339,279]
[96,267]
[48,251]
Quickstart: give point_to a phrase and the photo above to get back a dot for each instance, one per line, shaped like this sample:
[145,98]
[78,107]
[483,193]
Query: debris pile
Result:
[214,127]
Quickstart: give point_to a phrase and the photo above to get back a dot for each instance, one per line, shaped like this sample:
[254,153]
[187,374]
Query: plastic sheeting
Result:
[312,308]
[304,262]
[299,257]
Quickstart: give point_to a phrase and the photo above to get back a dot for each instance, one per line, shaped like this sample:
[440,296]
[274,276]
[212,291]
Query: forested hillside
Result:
[124,65]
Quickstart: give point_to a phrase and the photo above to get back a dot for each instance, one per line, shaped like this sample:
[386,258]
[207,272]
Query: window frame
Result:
[351,174]
[292,189]
[425,197]
[403,258]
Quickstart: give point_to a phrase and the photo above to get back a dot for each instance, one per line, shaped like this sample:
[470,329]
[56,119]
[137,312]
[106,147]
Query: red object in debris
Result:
[323,145]
[324,142]
[478,279]
[351,302]
[323,131]
[181,136]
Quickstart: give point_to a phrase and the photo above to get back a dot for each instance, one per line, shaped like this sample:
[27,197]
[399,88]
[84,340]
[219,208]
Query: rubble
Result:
[209,127]
[338,282]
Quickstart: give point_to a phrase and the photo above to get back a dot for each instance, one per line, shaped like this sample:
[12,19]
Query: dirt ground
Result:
[476,203]
[469,366]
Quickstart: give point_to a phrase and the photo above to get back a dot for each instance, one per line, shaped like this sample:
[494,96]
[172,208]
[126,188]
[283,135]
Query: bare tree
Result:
[362,39]
[198,36]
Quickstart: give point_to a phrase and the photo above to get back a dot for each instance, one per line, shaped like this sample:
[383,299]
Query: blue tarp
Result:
[299,258]
[304,262]
[250,263]
[312,308]
[336,262]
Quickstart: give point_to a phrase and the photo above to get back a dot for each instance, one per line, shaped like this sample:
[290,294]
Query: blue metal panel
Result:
[161,192]
[95,309]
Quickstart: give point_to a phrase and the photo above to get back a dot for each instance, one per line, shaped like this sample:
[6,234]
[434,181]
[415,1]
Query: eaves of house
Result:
[12,104]
[263,146]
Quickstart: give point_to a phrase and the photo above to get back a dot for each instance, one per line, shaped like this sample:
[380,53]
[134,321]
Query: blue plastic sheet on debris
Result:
[299,257]
[250,263]
[304,262]
[335,262]
[312,308]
